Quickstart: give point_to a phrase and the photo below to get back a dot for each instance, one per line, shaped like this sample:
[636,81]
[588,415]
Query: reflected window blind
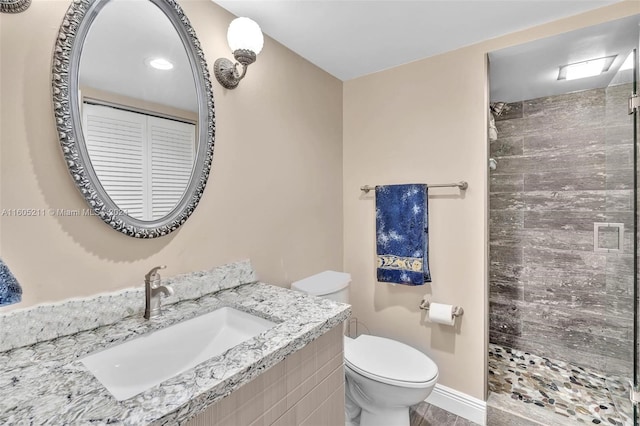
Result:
[172,154]
[115,141]
[143,162]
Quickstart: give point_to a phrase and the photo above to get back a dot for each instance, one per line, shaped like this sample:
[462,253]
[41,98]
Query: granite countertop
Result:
[45,383]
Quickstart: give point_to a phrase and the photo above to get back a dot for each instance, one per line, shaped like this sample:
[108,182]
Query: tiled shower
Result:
[561,302]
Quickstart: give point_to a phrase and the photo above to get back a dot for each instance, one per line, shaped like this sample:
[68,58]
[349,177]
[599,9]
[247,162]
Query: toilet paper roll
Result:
[441,313]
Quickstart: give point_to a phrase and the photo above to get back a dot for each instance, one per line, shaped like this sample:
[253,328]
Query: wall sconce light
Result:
[245,41]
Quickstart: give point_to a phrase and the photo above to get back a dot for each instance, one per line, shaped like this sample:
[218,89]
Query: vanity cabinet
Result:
[304,389]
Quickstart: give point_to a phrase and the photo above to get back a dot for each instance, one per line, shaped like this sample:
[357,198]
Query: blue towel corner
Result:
[10,290]
[402,234]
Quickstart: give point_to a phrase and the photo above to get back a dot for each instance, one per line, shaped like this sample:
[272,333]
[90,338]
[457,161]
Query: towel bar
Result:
[461,185]
[457,310]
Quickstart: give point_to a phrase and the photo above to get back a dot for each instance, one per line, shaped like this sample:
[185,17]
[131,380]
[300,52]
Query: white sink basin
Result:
[139,364]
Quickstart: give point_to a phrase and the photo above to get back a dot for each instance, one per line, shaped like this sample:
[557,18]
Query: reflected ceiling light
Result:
[160,64]
[584,69]
[245,41]
[628,63]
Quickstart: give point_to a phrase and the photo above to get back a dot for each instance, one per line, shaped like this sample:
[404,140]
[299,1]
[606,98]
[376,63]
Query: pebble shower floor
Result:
[557,392]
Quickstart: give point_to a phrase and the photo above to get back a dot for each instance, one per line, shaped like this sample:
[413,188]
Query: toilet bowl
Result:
[383,377]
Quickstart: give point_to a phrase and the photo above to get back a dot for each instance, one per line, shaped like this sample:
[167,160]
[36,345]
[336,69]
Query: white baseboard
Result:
[458,403]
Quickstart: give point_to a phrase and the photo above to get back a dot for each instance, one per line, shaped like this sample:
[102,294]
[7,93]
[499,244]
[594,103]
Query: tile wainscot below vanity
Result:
[290,374]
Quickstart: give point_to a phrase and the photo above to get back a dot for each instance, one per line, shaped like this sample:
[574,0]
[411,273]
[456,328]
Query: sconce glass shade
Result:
[245,41]
[245,34]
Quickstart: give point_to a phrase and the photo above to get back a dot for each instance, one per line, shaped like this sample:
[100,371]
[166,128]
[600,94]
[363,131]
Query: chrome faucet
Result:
[153,291]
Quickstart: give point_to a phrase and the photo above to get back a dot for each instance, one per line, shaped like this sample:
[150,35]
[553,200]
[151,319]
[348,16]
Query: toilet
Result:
[383,377]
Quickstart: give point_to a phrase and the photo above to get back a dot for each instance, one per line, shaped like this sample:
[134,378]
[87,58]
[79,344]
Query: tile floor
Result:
[424,414]
[555,392]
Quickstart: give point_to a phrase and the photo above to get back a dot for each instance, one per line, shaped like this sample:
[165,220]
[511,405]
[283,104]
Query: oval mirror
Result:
[134,110]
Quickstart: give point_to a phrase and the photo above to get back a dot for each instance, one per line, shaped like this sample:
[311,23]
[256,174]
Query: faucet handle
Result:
[151,275]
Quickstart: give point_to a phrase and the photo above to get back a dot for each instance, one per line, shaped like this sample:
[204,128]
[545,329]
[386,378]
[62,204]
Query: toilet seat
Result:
[388,361]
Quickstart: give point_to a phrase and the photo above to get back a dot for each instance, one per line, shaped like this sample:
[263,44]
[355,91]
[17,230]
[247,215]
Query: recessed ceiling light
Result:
[584,69]
[628,63]
[160,64]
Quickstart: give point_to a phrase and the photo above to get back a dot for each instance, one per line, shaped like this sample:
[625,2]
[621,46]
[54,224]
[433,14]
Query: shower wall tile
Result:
[506,236]
[512,110]
[543,239]
[561,220]
[564,162]
[506,292]
[543,262]
[619,273]
[508,128]
[506,201]
[505,339]
[593,179]
[566,274]
[625,217]
[619,200]
[563,200]
[624,325]
[621,178]
[619,156]
[619,307]
[506,146]
[505,255]
[504,317]
[597,324]
[591,303]
[507,183]
[617,110]
[551,120]
[572,339]
[571,103]
[564,141]
[620,367]
[513,164]
[589,157]
[619,134]
[506,219]
[558,113]
[506,272]
[567,291]
[558,240]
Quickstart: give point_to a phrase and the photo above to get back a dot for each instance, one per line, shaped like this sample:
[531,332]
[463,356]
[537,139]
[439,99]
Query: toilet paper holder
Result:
[457,310]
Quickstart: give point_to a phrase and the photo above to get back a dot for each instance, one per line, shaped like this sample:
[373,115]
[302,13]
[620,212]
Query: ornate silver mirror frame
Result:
[14,6]
[66,59]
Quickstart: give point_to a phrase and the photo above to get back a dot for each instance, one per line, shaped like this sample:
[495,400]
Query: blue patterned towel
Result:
[10,291]
[402,234]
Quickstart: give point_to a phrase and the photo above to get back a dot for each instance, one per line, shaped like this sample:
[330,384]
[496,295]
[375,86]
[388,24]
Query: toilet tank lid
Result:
[326,282]
[389,361]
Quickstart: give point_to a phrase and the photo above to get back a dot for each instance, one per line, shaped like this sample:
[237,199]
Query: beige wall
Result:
[274,195]
[426,122]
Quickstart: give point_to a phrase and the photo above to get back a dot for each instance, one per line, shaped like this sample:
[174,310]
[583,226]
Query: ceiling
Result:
[121,40]
[530,70]
[352,38]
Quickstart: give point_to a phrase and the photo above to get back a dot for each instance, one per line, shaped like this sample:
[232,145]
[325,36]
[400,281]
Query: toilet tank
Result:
[328,284]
